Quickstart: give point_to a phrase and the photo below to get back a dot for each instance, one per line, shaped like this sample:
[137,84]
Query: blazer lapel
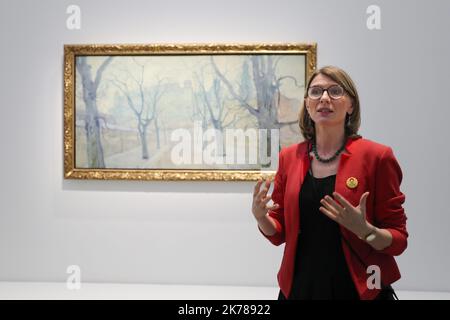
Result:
[298,177]
[345,169]
[344,172]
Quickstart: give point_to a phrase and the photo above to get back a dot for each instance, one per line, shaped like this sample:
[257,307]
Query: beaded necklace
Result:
[316,154]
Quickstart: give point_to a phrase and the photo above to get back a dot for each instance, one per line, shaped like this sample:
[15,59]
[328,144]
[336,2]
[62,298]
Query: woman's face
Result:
[326,110]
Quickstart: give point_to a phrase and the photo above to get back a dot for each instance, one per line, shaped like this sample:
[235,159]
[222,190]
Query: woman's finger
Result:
[262,194]
[329,207]
[274,207]
[328,214]
[363,202]
[343,201]
[257,187]
[333,203]
[268,183]
[264,191]
[266,199]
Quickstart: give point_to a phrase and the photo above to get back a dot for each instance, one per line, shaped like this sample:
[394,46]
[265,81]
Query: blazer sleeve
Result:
[388,211]
[278,197]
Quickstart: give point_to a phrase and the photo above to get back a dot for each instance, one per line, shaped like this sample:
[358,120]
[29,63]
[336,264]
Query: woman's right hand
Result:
[260,200]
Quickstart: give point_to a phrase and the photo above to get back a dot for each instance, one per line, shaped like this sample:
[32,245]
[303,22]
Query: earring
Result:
[349,123]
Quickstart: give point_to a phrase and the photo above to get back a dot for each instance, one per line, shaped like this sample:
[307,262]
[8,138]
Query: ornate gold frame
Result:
[70,53]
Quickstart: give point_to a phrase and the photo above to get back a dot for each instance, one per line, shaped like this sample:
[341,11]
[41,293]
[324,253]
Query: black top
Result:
[321,271]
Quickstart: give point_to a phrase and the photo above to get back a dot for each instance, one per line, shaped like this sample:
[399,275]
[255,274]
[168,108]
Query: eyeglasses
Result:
[335,92]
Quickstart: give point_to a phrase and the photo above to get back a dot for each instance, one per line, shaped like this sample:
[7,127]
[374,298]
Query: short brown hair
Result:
[343,79]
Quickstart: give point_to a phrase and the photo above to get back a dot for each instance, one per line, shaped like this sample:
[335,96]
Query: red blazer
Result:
[377,171]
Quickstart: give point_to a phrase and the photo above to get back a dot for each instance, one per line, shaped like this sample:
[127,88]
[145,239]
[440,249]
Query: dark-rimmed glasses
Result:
[335,92]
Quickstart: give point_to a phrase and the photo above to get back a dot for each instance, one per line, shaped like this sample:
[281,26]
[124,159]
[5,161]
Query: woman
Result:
[337,203]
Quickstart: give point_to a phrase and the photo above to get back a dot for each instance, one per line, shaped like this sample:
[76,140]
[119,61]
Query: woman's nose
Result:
[325,96]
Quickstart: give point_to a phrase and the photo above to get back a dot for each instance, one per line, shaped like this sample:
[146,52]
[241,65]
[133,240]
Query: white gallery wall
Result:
[203,232]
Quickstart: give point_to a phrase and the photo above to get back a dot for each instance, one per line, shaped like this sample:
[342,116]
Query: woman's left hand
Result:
[341,211]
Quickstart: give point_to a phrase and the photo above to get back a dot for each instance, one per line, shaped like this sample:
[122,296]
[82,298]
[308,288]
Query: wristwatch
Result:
[371,236]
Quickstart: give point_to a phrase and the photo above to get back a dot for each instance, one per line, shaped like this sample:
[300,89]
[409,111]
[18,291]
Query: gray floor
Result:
[38,290]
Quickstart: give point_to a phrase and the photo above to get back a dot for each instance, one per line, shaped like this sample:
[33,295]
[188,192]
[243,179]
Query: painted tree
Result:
[267,87]
[213,106]
[245,85]
[143,102]
[92,119]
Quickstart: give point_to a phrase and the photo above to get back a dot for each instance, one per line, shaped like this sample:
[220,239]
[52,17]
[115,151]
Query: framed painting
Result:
[181,111]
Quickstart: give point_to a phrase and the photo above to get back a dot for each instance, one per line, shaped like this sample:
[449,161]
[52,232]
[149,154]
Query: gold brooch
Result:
[352,182]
